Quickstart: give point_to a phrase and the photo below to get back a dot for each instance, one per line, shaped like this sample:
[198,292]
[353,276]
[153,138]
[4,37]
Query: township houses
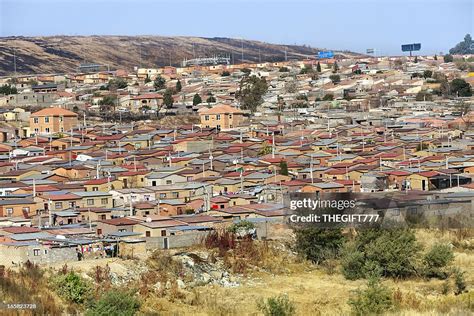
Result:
[122,177]
[52,120]
[221,117]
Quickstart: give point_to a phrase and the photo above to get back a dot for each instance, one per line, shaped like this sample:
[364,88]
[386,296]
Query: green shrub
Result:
[276,306]
[115,303]
[318,244]
[373,300]
[352,262]
[459,281]
[72,287]
[390,253]
[241,226]
[437,258]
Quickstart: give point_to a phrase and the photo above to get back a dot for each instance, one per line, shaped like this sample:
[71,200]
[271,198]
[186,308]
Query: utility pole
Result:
[242,57]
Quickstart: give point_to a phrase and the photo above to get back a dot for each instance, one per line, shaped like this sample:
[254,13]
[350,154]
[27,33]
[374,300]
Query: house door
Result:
[165,243]
[423,185]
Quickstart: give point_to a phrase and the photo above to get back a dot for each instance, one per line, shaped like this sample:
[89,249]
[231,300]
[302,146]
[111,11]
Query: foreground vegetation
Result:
[360,273]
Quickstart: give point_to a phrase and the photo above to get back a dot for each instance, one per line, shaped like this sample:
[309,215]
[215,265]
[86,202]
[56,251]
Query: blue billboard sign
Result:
[322,55]
[411,47]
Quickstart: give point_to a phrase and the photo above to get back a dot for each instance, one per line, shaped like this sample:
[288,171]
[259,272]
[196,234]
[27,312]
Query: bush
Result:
[72,287]
[375,299]
[241,226]
[115,303]
[459,281]
[437,258]
[390,253]
[352,262]
[318,244]
[276,306]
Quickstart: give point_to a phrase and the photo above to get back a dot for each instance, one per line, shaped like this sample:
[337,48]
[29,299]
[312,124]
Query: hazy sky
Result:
[337,24]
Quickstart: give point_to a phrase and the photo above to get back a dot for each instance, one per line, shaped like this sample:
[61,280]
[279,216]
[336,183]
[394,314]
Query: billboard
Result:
[328,54]
[411,47]
[370,50]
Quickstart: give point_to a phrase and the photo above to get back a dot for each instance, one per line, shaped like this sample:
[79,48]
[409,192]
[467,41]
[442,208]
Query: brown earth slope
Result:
[61,54]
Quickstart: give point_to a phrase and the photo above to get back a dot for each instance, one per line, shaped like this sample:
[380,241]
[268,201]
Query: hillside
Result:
[60,54]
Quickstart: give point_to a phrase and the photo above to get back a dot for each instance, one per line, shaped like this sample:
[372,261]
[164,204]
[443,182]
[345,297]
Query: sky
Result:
[333,24]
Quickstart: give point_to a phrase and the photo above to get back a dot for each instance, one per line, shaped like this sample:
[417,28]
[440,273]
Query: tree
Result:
[178,86]
[461,88]
[159,83]
[416,60]
[307,69]
[435,57]
[464,47]
[283,168]
[117,83]
[376,299]
[251,91]
[147,79]
[335,67]
[225,73]
[108,103]
[318,67]
[335,78]
[115,303]
[211,99]
[427,74]
[197,99]
[168,98]
[283,69]
[246,71]
[448,58]
[317,244]
[276,306]
[328,97]
[8,89]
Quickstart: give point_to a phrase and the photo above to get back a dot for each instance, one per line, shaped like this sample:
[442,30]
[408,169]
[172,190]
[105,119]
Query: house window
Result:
[61,119]
[206,117]
[95,188]
[46,251]
[153,183]
[175,195]
[168,182]
[147,233]
[46,129]
[46,119]
[26,209]
[58,205]
[36,252]
[122,230]
[36,130]
[90,201]
[162,195]
[9,211]
[104,200]
[35,120]
[230,116]
[218,127]
[62,129]
[218,117]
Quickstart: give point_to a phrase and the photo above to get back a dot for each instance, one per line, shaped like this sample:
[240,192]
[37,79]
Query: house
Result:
[121,224]
[17,208]
[221,117]
[52,120]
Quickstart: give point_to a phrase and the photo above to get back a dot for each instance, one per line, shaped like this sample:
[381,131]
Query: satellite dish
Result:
[148,220]
[211,157]
[235,161]
[61,237]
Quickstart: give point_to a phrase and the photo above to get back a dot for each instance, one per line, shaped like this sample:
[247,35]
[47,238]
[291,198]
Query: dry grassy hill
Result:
[60,54]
